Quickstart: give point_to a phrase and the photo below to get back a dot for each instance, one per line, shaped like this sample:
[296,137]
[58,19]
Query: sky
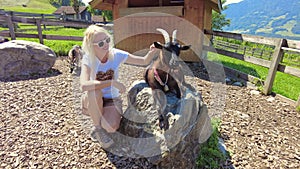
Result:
[227,1]
[86,1]
[232,1]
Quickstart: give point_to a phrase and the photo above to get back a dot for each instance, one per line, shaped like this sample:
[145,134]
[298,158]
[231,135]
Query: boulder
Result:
[139,135]
[19,57]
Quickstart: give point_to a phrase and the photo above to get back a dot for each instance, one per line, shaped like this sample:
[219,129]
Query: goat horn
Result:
[165,34]
[174,36]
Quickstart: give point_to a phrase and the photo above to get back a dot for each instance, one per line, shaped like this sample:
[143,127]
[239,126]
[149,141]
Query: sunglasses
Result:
[101,43]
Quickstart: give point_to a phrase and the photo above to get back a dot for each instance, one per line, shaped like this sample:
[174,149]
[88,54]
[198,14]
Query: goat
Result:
[74,55]
[165,75]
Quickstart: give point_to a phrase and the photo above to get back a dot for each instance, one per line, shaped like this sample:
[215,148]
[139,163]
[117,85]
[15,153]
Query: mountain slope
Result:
[274,18]
[31,6]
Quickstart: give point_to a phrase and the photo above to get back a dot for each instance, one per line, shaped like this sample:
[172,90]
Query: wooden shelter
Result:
[69,12]
[135,22]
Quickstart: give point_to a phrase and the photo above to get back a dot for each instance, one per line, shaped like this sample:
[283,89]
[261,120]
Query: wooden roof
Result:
[69,10]
[102,4]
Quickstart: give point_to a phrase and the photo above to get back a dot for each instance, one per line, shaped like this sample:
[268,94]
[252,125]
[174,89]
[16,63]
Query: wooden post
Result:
[277,55]
[43,19]
[11,27]
[39,29]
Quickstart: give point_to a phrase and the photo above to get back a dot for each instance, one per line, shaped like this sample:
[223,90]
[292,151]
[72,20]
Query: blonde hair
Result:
[87,45]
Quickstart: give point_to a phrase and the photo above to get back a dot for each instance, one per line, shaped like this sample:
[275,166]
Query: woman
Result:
[98,79]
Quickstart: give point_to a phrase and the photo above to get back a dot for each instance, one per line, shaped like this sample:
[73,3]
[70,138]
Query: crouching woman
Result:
[99,81]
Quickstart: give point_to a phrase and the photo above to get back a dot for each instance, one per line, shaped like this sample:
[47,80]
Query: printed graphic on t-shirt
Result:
[108,75]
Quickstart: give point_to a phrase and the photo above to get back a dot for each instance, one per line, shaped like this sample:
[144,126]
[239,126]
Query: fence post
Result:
[39,29]
[276,58]
[11,27]
[43,19]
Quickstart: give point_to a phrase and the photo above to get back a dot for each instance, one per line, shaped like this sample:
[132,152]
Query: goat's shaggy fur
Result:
[165,74]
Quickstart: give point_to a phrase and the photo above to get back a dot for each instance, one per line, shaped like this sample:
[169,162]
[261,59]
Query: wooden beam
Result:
[96,4]
[173,10]
[243,37]
[39,29]
[293,44]
[194,12]
[160,2]
[291,49]
[242,57]
[289,70]
[117,6]
[213,5]
[208,19]
[277,57]
[11,27]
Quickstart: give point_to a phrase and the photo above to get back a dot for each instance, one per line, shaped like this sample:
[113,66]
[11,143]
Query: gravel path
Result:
[39,126]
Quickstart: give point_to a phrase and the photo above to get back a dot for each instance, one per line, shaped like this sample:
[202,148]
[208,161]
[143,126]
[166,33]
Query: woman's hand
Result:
[119,86]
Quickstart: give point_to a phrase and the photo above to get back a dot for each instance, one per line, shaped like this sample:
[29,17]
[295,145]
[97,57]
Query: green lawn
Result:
[32,6]
[60,47]
[284,84]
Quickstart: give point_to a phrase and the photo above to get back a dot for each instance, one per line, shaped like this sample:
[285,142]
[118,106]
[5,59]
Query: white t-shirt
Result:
[119,56]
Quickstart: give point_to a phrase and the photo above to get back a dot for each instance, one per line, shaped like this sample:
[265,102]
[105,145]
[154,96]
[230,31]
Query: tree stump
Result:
[139,135]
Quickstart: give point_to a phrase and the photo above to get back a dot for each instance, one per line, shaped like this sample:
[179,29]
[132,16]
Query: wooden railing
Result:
[12,18]
[273,64]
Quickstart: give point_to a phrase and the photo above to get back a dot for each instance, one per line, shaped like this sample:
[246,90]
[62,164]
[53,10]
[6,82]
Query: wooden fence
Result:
[12,18]
[274,65]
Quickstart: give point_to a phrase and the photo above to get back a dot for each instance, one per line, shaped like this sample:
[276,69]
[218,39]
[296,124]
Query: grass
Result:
[284,84]
[210,156]
[60,47]
[32,6]
[59,31]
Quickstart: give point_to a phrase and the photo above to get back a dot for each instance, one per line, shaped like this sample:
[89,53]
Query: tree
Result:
[94,11]
[75,4]
[65,2]
[55,3]
[219,20]
[107,15]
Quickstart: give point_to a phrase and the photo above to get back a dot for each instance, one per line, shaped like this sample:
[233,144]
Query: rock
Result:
[240,84]
[227,80]
[139,135]
[270,99]
[19,57]
[254,92]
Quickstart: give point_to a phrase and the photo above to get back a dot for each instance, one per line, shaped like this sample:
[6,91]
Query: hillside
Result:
[32,6]
[274,18]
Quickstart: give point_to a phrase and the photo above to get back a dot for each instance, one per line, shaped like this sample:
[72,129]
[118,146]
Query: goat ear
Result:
[185,47]
[158,45]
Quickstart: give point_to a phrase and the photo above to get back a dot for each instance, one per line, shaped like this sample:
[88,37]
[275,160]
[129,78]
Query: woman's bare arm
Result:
[140,60]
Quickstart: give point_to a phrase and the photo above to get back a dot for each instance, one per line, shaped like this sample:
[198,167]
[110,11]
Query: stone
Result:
[254,92]
[139,135]
[270,99]
[19,57]
[240,84]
